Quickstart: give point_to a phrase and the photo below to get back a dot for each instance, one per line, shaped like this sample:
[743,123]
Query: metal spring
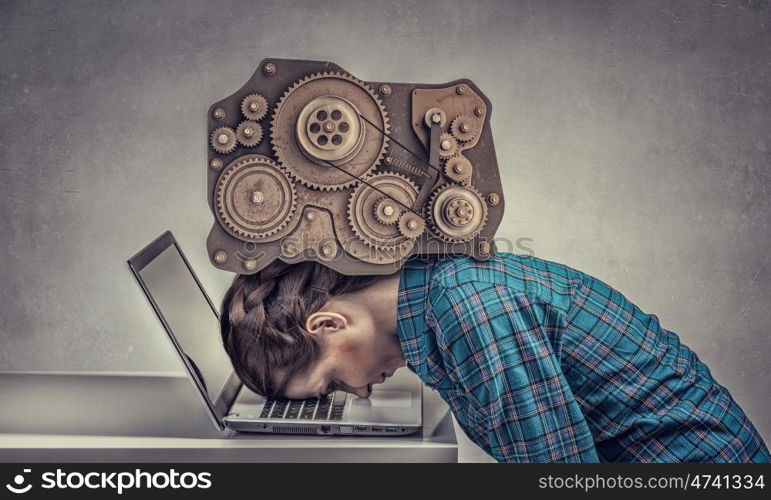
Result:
[401,164]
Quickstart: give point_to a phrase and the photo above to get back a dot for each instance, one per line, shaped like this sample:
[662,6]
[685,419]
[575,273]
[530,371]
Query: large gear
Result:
[255,199]
[328,120]
[448,146]
[457,213]
[361,208]
[411,225]
[458,168]
[223,140]
[463,129]
[249,133]
[254,107]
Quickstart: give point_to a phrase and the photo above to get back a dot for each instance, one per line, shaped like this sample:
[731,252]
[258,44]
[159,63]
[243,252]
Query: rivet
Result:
[218,113]
[269,69]
[215,163]
[493,199]
[479,111]
[250,264]
[460,90]
[385,90]
[310,215]
[220,257]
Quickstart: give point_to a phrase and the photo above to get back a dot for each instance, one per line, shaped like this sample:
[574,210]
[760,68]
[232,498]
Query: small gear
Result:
[448,146]
[458,168]
[463,129]
[387,211]
[362,203]
[255,199]
[327,120]
[223,140]
[249,133]
[457,213]
[411,225]
[254,107]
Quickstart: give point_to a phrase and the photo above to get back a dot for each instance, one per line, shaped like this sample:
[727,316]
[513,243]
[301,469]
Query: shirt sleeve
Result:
[499,347]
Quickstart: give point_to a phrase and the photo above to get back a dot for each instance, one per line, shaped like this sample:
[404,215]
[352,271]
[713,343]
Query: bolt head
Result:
[222,139]
[385,90]
[257,197]
[250,264]
[465,127]
[412,224]
[220,257]
[493,199]
[310,215]
[389,160]
[218,113]
[269,69]
[458,168]
[460,90]
[329,127]
[215,163]
[388,210]
[436,118]
[446,145]
[254,106]
[484,247]
[327,250]
[479,111]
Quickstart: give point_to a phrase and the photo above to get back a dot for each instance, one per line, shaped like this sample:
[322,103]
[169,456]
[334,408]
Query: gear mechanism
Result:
[254,107]
[457,213]
[254,198]
[411,225]
[458,168]
[448,146]
[223,140]
[367,196]
[387,211]
[463,129]
[249,133]
[328,120]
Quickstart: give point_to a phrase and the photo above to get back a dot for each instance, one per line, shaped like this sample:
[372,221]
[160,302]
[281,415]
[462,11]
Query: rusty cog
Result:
[448,146]
[364,199]
[456,213]
[249,133]
[387,211]
[463,129]
[254,107]
[459,169]
[411,225]
[254,198]
[223,140]
[326,130]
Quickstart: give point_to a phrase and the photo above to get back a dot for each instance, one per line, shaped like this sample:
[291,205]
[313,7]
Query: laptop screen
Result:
[189,315]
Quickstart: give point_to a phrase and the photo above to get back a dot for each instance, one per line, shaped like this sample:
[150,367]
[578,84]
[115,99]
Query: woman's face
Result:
[354,356]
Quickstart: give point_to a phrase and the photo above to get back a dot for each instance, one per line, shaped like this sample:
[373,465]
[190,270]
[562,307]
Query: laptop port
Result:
[346,429]
[326,428]
[377,429]
[390,429]
[361,427]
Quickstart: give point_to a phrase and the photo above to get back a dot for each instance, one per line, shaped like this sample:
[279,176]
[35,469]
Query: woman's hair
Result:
[262,320]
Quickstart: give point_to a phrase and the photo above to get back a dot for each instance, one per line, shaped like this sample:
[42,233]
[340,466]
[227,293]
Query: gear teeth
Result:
[249,141]
[412,233]
[460,135]
[386,219]
[344,76]
[350,211]
[227,147]
[432,222]
[225,217]
[261,111]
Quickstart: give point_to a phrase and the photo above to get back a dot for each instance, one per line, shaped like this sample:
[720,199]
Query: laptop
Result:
[191,322]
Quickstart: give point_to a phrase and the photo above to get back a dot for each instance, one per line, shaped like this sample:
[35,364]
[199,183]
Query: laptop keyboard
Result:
[305,409]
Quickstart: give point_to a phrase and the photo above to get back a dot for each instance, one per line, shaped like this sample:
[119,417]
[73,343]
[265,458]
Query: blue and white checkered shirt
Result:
[540,362]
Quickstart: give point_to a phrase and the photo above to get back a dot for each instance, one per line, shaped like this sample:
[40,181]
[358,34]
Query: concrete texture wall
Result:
[634,140]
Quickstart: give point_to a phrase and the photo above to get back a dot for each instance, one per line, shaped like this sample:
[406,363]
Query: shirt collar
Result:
[411,329]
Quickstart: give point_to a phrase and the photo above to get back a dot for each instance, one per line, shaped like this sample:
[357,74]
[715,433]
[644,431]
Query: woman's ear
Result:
[325,322]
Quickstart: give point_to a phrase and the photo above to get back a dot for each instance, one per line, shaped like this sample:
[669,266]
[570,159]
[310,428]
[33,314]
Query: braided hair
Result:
[262,320]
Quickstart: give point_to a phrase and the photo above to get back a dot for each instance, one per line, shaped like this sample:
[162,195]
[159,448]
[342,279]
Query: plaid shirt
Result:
[540,362]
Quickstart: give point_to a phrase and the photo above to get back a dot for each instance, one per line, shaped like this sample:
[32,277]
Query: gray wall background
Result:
[634,140]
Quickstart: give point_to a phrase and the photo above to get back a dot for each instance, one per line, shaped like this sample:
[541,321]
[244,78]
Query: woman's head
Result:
[304,329]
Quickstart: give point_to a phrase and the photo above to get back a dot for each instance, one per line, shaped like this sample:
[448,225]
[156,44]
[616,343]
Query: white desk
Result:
[77,417]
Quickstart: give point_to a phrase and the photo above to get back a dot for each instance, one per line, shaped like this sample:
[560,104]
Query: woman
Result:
[539,362]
